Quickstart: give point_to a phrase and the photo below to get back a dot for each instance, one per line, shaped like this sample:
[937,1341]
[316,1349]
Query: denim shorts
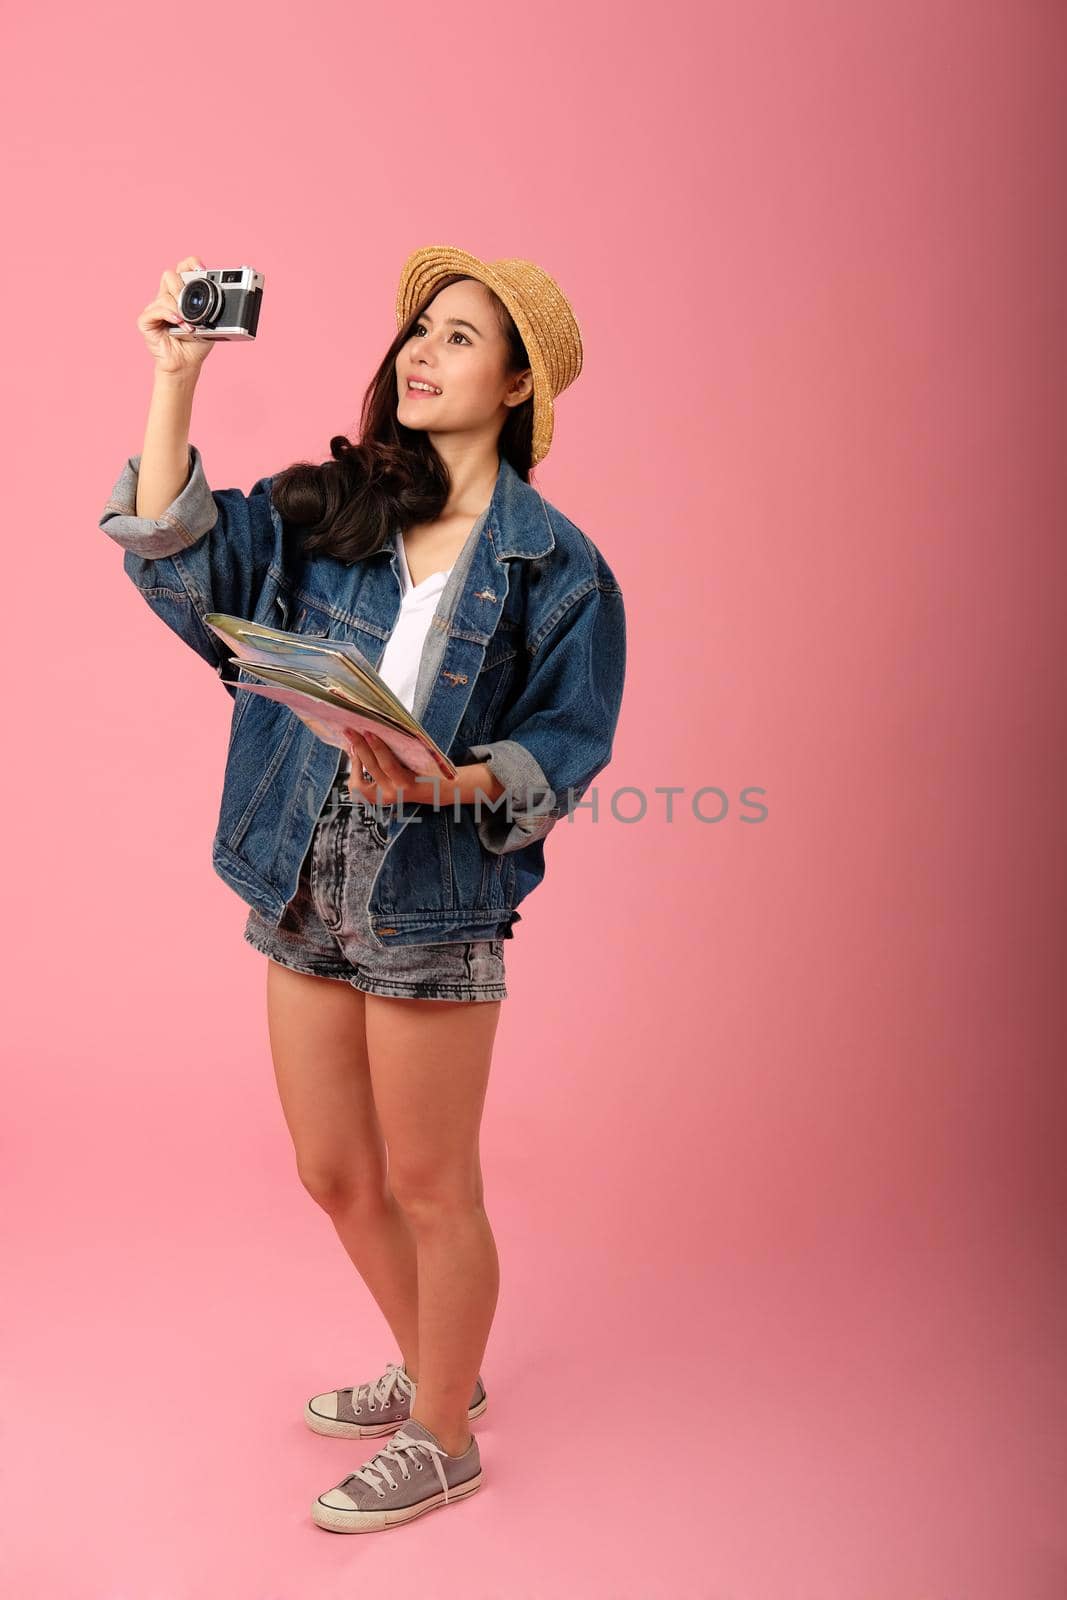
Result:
[325,931]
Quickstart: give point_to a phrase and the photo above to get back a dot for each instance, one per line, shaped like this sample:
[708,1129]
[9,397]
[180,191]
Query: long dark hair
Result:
[393,477]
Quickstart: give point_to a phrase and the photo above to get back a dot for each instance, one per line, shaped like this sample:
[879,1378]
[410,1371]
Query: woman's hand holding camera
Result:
[177,357]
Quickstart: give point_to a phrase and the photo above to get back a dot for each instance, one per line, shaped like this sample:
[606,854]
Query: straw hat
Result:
[541,311]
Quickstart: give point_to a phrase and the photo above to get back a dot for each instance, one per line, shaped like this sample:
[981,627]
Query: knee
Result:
[427,1197]
[337,1187]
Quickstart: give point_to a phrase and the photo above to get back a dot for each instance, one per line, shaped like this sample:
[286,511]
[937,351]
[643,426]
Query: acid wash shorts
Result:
[324,929]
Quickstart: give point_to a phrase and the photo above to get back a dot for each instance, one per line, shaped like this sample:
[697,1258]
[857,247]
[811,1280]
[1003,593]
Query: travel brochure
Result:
[330,686]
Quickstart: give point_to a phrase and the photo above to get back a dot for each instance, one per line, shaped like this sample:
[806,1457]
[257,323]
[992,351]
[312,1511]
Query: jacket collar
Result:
[517,519]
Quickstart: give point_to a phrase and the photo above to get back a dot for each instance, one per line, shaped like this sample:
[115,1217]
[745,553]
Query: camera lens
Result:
[200,300]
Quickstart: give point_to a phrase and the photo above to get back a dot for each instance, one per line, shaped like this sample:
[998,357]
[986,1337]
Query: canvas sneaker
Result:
[409,1475]
[374,1408]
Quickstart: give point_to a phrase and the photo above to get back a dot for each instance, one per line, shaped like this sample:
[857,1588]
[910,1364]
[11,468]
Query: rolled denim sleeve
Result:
[209,550]
[559,732]
[528,798]
[190,515]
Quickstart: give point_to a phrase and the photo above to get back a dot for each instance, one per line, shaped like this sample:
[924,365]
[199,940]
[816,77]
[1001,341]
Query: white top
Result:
[399,665]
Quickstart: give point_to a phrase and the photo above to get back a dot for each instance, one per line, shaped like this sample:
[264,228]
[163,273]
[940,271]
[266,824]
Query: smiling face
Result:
[458,348]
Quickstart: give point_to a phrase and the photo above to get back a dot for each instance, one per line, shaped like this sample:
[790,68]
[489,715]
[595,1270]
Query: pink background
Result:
[773,1143]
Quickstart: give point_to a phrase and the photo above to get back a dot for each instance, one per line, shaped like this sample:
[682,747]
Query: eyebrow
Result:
[450,322]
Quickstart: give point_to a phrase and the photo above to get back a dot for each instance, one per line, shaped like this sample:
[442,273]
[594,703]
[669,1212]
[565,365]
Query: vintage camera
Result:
[220,302]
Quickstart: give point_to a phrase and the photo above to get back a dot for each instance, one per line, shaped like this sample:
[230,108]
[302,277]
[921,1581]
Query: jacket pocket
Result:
[278,617]
[258,751]
[493,688]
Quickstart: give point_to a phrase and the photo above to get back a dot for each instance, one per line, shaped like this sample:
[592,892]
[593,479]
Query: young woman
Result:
[383,899]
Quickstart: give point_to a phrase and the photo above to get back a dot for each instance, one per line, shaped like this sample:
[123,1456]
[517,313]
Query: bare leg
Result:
[429,1066]
[318,1042]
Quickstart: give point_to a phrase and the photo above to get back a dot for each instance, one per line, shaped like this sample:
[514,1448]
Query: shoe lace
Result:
[403,1451]
[393,1379]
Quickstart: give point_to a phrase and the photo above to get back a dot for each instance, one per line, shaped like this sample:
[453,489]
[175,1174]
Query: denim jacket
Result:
[523,669]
